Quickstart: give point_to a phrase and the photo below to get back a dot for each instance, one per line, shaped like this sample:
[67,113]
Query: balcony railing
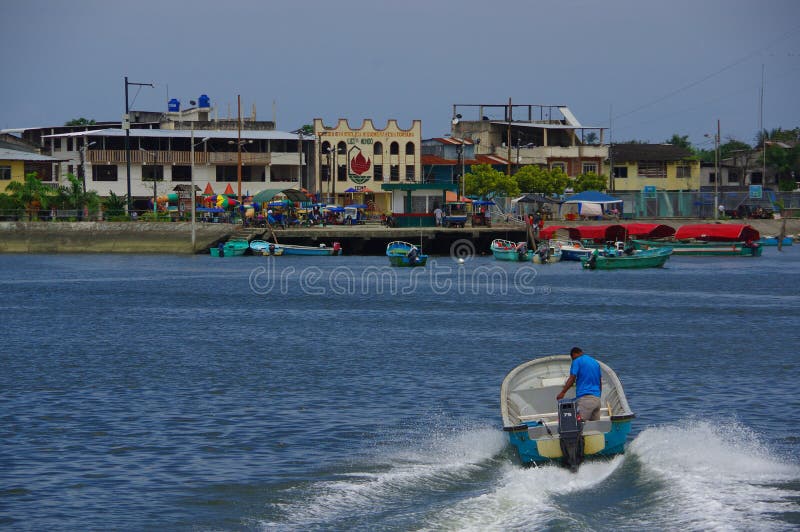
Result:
[178,157]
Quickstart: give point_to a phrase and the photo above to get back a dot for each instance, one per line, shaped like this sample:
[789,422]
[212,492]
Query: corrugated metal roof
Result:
[542,125]
[455,141]
[17,155]
[433,160]
[183,133]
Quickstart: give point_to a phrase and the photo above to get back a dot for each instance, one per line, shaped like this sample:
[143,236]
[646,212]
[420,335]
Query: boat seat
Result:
[550,416]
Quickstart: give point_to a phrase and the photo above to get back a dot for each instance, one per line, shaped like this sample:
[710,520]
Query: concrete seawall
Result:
[175,237]
[107,237]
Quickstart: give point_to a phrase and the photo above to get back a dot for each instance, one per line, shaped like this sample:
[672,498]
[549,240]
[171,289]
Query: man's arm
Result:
[567,386]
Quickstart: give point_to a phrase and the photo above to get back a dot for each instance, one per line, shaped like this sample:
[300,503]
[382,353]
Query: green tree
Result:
[541,180]
[115,205]
[589,181]
[31,193]
[72,196]
[591,139]
[307,129]
[80,122]
[482,180]
[681,141]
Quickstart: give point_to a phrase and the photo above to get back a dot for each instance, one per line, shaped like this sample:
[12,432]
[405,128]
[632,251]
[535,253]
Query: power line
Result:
[709,76]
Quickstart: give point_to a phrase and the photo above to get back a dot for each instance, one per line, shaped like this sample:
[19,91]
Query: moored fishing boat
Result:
[773,241]
[531,412]
[710,239]
[321,250]
[653,258]
[574,250]
[511,251]
[262,247]
[548,253]
[235,247]
[405,254]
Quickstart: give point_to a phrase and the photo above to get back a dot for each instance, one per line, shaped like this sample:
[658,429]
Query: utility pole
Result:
[126,125]
[239,149]
[508,142]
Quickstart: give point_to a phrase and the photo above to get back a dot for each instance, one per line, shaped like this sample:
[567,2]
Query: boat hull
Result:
[309,250]
[654,258]
[398,254]
[507,250]
[542,450]
[773,241]
[700,248]
[228,252]
[575,254]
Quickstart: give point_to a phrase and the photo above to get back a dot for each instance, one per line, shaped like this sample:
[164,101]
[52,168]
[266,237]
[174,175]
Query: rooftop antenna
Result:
[274,114]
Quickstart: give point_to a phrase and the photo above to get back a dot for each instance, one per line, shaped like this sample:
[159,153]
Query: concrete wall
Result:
[108,237]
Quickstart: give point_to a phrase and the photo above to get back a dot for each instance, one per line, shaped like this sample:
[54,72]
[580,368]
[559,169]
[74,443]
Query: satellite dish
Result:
[454,121]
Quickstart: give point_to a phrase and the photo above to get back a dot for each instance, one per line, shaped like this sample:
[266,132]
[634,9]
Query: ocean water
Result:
[335,393]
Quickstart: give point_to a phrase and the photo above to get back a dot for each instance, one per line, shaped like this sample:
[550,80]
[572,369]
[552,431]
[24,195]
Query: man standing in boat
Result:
[586,372]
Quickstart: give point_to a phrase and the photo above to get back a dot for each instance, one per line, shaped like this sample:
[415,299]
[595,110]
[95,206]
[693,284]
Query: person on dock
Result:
[437,213]
[586,372]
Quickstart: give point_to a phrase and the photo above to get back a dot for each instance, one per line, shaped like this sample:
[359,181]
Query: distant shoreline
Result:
[175,237]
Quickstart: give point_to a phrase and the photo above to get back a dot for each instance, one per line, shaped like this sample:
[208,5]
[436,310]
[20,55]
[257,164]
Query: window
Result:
[589,167]
[409,148]
[712,177]
[182,173]
[326,173]
[394,148]
[756,178]
[104,172]
[410,173]
[561,166]
[683,171]
[152,172]
[5,173]
[621,171]
[378,169]
[70,169]
[652,169]
[733,176]
[69,143]
[227,174]
[394,173]
[377,148]
[341,173]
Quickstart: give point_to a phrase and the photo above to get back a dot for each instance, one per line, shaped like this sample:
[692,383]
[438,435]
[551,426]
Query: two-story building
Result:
[531,134]
[160,151]
[358,162]
[655,167]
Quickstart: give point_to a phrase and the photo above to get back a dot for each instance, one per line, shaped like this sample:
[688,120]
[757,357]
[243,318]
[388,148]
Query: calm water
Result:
[193,393]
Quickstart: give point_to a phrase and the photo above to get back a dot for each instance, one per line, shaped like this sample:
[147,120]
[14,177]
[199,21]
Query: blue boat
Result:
[321,250]
[574,250]
[405,255]
[531,412]
[773,241]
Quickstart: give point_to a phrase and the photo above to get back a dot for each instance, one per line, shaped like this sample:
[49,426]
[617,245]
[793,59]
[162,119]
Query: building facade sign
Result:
[366,156]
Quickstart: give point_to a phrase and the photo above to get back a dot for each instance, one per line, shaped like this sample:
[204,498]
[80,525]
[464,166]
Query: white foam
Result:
[429,465]
[714,477]
[523,497]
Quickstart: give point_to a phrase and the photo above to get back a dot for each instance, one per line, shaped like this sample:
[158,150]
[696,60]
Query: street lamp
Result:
[192,196]
[126,125]
[462,185]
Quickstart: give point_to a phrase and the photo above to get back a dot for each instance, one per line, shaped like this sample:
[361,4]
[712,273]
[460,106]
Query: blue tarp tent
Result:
[590,203]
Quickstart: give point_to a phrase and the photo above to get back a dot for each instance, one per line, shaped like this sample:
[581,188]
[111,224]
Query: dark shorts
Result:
[589,407]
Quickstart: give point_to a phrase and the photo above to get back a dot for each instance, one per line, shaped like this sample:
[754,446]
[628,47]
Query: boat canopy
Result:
[718,232]
[556,231]
[602,233]
[648,231]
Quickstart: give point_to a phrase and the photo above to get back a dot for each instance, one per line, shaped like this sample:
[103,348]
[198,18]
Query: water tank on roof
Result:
[174,105]
[204,101]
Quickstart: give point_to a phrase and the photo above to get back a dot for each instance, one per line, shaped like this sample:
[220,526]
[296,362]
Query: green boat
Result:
[703,248]
[652,258]
[235,247]
[405,255]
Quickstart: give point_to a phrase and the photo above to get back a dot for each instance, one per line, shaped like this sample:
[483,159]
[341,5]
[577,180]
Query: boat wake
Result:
[396,481]
[706,477]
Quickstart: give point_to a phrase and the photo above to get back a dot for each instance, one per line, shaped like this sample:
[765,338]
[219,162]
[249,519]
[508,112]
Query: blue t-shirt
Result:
[587,376]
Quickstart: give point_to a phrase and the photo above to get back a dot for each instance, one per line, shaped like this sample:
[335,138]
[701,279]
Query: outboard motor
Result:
[570,431]
[337,248]
[272,249]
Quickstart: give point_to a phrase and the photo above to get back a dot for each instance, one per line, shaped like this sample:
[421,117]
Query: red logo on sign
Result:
[359,164]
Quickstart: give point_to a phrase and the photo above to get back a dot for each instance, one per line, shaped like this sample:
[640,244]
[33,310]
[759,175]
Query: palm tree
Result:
[31,193]
[73,196]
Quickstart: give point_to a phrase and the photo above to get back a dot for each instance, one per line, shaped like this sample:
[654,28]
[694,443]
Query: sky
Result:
[645,69]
